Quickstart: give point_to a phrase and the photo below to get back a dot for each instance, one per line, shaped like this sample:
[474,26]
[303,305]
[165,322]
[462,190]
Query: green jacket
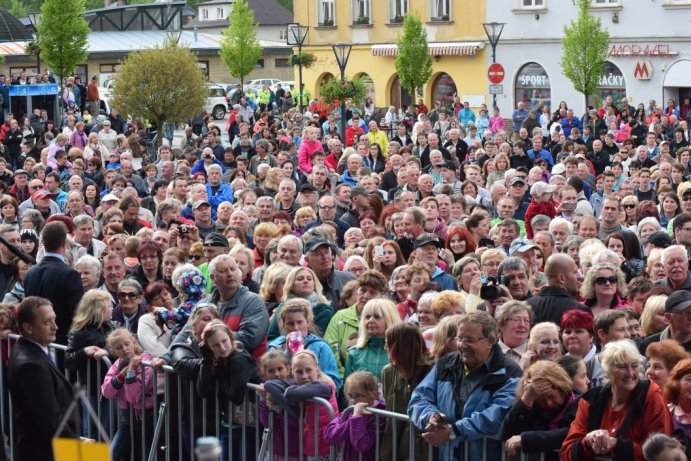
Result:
[343,325]
[322,316]
[264,96]
[372,358]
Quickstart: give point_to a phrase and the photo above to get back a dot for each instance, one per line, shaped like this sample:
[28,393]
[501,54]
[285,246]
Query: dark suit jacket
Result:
[61,285]
[40,398]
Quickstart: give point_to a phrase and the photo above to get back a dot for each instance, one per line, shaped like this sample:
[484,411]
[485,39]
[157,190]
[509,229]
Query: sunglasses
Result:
[196,257]
[629,206]
[127,295]
[35,187]
[613,280]
[686,198]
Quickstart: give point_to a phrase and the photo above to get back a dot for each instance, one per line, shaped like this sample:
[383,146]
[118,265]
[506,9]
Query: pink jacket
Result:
[307,148]
[130,393]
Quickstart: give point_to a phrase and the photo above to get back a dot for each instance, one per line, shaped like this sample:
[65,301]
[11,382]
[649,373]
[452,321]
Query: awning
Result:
[435,49]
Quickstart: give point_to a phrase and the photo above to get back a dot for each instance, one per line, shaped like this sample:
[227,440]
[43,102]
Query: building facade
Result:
[649,58]
[454,33]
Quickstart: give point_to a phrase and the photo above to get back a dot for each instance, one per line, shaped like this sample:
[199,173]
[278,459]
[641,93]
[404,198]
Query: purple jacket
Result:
[357,433]
[279,417]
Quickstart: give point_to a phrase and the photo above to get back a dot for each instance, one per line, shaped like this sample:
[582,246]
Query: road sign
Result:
[496,89]
[495,73]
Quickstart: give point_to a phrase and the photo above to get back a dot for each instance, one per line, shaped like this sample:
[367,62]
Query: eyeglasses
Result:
[127,295]
[460,340]
[327,207]
[35,187]
[613,280]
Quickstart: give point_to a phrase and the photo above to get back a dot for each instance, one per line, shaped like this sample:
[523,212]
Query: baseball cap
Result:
[521,245]
[41,194]
[110,198]
[215,239]
[315,242]
[580,156]
[358,190]
[559,168]
[307,187]
[516,180]
[199,203]
[425,239]
[678,301]
[449,164]
[540,188]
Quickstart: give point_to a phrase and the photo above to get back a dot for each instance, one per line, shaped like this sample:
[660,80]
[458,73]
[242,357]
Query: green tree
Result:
[159,85]
[240,49]
[62,35]
[413,63]
[586,47]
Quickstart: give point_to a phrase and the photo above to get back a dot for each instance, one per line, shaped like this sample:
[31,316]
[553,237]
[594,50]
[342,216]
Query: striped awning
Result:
[435,49]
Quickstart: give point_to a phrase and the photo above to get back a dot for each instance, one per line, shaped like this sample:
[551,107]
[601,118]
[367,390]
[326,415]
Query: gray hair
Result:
[618,353]
[91,263]
[656,445]
[605,256]
[167,205]
[669,249]
[645,221]
[214,167]
[540,220]
[219,259]
[131,283]
[417,213]
[288,239]
[427,298]
[560,221]
[82,219]
[512,263]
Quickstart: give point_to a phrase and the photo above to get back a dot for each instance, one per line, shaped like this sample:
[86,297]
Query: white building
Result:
[650,51]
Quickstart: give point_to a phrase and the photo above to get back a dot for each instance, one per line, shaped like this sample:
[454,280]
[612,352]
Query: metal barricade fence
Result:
[168,429]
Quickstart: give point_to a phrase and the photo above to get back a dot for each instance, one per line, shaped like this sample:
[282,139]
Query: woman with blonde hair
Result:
[272,181]
[302,282]
[604,287]
[543,344]
[303,217]
[86,346]
[444,338]
[653,319]
[513,322]
[369,353]
[273,282]
[545,408]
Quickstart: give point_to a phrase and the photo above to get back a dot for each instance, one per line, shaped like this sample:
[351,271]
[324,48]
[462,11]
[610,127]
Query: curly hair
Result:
[588,287]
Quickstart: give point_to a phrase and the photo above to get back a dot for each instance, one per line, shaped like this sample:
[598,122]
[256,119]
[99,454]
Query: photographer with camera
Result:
[205,161]
[514,275]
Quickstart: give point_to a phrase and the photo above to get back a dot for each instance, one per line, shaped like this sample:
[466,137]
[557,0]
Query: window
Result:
[326,12]
[440,10]
[283,35]
[532,3]
[260,64]
[109,68]
[205,14]
[204,66]
[361,12]
[611,83]
[281,62]
[220,13]
[606,2]
[533,86]
[399,8]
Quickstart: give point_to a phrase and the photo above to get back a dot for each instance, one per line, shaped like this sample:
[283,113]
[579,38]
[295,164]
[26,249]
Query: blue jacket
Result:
[465,116]
[325,357]
[490,390]
[198,167]
[224,194]
[445,281]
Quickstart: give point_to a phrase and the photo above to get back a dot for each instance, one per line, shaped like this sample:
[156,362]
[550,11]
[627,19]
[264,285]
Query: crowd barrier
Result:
[178,416]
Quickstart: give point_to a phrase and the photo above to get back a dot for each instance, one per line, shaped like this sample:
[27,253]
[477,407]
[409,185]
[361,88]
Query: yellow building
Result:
[454,33]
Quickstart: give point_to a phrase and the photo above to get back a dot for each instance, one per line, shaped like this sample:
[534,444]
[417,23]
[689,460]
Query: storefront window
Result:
[532,86]
[399,96]
[443,90]
[611,83]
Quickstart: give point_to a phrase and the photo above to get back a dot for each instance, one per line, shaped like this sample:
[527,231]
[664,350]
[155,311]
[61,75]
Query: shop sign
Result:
[643,70]
[611,80]
[663,50]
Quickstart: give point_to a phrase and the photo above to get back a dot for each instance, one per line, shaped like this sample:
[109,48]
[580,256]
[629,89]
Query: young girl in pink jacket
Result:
[124,383]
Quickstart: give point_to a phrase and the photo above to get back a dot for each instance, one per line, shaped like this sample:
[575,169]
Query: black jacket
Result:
[600,160]
[61,285]
[551,303]
[77,361]
[533,425]
[40,398]
[231,375]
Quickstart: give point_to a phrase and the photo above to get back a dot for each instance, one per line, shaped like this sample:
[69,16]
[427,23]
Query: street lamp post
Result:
[298,34]
[342,52]
[493,31]
[33,19]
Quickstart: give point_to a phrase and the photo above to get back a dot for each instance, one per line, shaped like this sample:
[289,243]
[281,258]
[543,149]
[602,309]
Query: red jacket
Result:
[536,208]
[350,135]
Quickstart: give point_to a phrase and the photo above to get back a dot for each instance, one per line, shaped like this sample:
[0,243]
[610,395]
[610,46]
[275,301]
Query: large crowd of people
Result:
[515,283]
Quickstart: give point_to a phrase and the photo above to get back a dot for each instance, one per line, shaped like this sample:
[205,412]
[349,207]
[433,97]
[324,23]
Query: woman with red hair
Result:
[577,336]
[459,243]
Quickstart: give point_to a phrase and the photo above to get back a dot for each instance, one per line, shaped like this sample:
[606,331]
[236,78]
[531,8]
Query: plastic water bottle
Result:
[208,449]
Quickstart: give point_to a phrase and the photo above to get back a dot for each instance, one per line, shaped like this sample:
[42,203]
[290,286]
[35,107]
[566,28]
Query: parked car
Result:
[257,84]
[216,104]
[285,84]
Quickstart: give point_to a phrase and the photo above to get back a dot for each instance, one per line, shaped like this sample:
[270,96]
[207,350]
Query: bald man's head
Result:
[561,271]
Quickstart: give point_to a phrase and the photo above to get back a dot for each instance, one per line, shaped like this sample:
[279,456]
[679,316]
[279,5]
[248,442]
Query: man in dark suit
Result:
[40,393]
[55,280]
